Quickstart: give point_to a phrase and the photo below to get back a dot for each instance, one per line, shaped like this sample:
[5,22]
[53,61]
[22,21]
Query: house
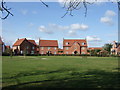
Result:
[2,46]
[75,46]
[48,47]
[22,46]
[115,50]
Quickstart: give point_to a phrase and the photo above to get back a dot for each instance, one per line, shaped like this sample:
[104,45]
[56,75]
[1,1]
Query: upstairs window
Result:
[27,47]
[55,48]
[66,48]
[67,43]
[33,47]
[48,48]
[42,48]
[83,43]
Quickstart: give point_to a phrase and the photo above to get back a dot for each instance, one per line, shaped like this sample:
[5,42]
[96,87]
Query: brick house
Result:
[75,46]
[22,46]
[115,50]
[48,46]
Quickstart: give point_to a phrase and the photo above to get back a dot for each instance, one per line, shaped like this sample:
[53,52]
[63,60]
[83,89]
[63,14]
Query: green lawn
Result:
[37,72]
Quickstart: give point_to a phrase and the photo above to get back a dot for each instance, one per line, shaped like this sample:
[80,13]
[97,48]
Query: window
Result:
[48,48]
[66,52]
[32,52]
[21,52]
[55,48]
[33,47]
[83,53]
[27,47]
[66,48]
[54,52]
[83,43]
[42,48]
[42,52]
[67,43]
[75,48]
[83,48]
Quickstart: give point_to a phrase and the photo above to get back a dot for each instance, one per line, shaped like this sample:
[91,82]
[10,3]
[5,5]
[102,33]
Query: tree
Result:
[107,47]
[69,6]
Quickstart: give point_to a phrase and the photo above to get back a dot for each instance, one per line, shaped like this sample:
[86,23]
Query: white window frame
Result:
[83,43]
[66,52]
[55,48]
[32,52]
[83,48]
[48,48]
[67,48]
[33,47]
[42,52]
[55,53]
[27,47]
[66,43]
[42,48]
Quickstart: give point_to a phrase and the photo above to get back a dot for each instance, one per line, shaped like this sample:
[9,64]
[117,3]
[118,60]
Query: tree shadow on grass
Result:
[88,79]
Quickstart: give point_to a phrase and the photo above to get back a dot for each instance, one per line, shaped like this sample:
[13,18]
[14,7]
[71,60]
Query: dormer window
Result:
[67,43]
[83,43]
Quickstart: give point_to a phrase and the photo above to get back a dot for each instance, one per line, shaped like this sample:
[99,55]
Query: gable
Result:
[81,42]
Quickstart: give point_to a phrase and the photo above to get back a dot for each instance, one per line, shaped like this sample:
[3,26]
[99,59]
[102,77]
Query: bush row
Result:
[7,54]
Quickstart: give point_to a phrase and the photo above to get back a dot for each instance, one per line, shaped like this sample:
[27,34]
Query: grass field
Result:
[35,72]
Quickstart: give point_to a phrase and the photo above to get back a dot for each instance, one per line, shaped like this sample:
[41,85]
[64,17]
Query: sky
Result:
[33,20]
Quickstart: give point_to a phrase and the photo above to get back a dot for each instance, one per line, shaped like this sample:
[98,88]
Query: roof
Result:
[92,48]
[33,42]
[8,47]
[19,41]
[72,41]
[53,43]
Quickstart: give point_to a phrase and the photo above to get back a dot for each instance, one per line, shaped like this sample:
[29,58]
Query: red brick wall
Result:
[73,48]
[26,44]
[45,50]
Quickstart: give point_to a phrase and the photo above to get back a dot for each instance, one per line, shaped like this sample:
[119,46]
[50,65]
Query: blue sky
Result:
[33,20]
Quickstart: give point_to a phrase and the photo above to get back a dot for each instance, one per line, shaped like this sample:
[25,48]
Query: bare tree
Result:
[5,10]
[69,6]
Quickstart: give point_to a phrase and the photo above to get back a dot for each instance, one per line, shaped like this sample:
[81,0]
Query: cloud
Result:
[58,27]
[107,19]
[93,38]
[110,13]
[24,12]
[78,27]
[72,33]
[45,30]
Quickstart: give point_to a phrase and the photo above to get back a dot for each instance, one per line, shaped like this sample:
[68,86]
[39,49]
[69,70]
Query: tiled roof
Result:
[8,47]
[33,42]
[48,43]
[18,42]
[93,48]
[72,41]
